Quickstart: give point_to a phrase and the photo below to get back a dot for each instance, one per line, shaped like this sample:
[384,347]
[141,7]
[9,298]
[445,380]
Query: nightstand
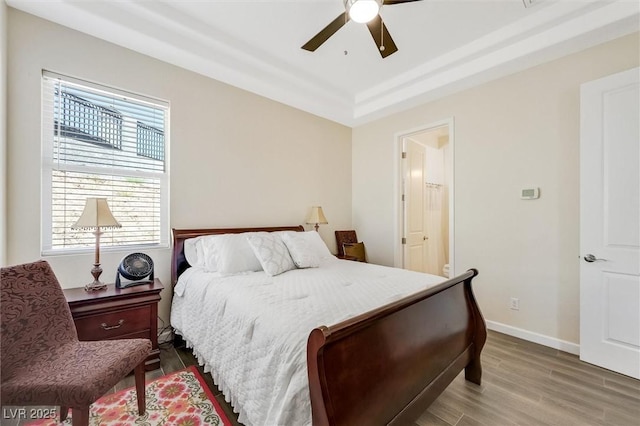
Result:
[115,313]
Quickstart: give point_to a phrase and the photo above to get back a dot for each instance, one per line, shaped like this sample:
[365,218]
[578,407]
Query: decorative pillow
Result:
[315,243]
[301,250]
[271,252]
[230,254]
[354,250]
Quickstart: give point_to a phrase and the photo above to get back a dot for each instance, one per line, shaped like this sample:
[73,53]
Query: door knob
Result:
[591,258]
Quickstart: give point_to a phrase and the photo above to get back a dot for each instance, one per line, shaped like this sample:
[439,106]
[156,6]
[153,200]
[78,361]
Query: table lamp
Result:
[96,215]
[316,217]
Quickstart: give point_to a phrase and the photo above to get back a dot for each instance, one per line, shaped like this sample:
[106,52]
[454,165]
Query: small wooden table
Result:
[115,313]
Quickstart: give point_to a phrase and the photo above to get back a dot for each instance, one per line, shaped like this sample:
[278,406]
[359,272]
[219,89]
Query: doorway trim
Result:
[398,260]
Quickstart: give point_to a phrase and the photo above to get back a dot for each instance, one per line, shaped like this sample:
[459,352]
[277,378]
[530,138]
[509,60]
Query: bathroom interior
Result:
[437,177]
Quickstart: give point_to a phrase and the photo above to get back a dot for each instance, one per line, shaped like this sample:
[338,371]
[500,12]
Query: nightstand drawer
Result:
[114,325]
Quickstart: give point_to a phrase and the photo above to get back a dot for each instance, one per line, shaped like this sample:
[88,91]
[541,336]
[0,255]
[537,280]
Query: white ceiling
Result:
[443,45]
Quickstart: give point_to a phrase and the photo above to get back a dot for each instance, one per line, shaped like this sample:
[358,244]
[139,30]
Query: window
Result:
[102,142]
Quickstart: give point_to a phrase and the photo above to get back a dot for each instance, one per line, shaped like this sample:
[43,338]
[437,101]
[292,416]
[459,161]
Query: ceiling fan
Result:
[361,11]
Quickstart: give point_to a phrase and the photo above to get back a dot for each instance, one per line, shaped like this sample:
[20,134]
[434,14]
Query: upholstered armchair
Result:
[43,362]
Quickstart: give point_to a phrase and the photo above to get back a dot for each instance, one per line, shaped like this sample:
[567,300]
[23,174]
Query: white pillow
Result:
[229,254]
[302,251]
[315,244]
[209,246]
[193,251]
[271,252]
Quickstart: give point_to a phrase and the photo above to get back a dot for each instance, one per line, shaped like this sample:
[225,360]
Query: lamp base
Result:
[96,284]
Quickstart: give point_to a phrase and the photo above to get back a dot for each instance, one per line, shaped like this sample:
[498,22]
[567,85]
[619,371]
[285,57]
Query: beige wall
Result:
[512,133]
[236,159]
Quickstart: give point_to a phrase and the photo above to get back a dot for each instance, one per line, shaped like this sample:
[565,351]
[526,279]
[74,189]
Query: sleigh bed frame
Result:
[386,366]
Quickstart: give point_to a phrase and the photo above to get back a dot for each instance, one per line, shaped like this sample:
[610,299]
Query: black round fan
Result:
[137,267]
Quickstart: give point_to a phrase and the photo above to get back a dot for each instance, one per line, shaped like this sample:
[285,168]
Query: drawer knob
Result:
[111,327]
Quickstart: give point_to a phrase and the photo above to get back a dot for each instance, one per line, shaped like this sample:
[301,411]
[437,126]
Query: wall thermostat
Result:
[530,193]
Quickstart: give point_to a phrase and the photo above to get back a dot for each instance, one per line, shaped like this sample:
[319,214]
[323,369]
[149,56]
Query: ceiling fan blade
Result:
[326,32]
[381,36]
[398,1]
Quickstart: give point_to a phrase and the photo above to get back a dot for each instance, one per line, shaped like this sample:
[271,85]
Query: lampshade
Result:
[316,216]
[96,214]
[362,11]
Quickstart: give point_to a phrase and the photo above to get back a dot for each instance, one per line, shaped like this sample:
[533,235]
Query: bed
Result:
[382,357]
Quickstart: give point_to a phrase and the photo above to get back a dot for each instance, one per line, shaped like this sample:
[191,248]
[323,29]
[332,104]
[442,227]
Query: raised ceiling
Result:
[444,45]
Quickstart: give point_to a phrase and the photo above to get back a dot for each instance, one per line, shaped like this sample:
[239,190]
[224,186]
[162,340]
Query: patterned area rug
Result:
[177,399]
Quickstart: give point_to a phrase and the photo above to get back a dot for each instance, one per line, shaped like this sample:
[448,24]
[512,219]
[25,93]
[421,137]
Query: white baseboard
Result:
[552,342]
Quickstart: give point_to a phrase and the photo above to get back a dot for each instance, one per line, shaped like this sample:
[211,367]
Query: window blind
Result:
[101,142]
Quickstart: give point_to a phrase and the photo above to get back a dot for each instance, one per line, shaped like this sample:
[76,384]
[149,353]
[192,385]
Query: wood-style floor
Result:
[522,384]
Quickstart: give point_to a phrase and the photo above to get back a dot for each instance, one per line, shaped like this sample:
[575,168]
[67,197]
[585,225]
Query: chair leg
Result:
[80,416]
[140,387]
[64,412]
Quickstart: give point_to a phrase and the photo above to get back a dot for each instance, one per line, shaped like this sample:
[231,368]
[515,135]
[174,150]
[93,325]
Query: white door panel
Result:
[622,296]
[621,178]
[610,222]
[415,220]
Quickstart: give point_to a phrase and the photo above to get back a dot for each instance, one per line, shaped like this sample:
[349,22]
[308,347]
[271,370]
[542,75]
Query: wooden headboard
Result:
[178,261]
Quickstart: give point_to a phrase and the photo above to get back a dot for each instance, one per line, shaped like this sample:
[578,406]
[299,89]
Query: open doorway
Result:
[426,207]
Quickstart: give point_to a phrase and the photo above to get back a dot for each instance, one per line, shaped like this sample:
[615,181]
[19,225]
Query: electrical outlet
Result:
[514,304]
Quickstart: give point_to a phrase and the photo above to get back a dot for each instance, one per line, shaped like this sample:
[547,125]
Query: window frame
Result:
[48,166]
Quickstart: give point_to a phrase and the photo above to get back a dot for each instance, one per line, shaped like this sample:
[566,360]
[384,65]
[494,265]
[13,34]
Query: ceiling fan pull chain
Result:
[381,37]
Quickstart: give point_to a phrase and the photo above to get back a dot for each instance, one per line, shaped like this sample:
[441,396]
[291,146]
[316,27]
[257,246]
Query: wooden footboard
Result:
[388,365]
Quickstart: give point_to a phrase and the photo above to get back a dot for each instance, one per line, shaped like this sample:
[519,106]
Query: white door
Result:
[415,247]
[610,222]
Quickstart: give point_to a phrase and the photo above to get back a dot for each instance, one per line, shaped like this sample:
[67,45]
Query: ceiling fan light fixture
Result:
[362,11]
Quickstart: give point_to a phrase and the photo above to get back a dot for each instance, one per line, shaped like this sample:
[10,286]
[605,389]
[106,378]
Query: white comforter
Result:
[250,331]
